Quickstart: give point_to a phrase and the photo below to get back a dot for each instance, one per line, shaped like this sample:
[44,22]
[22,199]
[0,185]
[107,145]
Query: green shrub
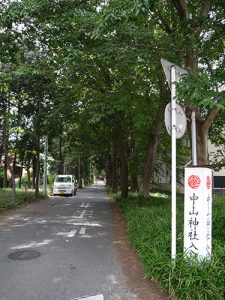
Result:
[149,225]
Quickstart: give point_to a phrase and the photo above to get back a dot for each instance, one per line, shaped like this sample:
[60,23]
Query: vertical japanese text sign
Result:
[198,212]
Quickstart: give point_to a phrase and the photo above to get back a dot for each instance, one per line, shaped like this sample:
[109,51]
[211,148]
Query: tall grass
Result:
[149,225]
[22,197]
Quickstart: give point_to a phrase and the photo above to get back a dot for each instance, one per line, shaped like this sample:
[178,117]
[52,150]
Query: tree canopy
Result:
[87,73]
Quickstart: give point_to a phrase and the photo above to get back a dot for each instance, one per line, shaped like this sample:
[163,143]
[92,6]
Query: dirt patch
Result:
[131,265]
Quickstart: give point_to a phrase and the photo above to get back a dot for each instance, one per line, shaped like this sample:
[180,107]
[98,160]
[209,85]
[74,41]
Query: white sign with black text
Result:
[198,212]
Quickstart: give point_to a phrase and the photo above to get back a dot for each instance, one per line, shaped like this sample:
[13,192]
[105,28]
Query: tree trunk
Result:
[149,163]
[122,150]
[21,175]
[28,174]
[13,183]
[109,171]
[34,172]
[202,145]
[133,183]
[76,171]
[61,161]
[202,129]
[11,170]
[80,174]
[114,166]
[133,167]
[152,149]
[5,142]
[37,173]
[14,187]
[20,182]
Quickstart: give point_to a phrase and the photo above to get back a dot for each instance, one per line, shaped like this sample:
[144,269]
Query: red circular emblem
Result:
[208,182]
[194,181]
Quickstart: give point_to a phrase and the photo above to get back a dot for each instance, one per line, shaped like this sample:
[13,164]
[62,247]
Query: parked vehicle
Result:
[64,185]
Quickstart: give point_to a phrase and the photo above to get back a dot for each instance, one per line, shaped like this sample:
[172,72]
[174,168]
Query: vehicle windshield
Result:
[63,179]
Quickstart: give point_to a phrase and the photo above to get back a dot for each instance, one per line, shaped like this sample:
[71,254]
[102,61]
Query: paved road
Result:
[75,237]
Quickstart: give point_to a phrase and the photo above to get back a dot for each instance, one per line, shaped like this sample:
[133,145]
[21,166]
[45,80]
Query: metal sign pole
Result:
[173,185]
[193,139]
[176,123]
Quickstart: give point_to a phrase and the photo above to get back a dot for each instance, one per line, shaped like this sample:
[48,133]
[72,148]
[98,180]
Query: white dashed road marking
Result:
[67,234]
[82,214]
[85,213]
[82,230]
[97,297]
[91,224]
[85,205]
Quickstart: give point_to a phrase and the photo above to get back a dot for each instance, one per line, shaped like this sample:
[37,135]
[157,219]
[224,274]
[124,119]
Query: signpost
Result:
[193,139]
[198,213]
[173,74]
[181,121]
[198,181]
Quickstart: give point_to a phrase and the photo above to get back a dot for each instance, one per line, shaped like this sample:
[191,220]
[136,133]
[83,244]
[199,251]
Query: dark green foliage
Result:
[149,228]
[89,71]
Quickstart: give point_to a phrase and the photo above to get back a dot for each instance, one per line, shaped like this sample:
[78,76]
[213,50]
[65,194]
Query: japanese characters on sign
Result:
[198,212]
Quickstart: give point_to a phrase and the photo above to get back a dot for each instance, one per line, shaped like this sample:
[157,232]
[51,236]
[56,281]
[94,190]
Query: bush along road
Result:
[149,229]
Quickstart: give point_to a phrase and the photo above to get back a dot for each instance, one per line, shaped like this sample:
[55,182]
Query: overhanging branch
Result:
[204,10]
[181,7]
[210,118]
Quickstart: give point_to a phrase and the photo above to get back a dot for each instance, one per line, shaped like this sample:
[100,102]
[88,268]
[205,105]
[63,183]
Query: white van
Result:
[64,185]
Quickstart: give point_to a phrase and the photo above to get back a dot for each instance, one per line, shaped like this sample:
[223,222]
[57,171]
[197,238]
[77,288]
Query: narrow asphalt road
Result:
[65,249]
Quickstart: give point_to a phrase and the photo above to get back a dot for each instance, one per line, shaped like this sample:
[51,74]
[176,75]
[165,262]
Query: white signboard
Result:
[167,67]
[181,121]
[198,212]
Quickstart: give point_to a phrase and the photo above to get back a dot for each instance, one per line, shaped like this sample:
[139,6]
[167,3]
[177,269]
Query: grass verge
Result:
[22,197]
[149,226]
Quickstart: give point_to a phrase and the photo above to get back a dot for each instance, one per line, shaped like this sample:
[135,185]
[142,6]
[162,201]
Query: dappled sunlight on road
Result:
[79,224]
[32,244]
